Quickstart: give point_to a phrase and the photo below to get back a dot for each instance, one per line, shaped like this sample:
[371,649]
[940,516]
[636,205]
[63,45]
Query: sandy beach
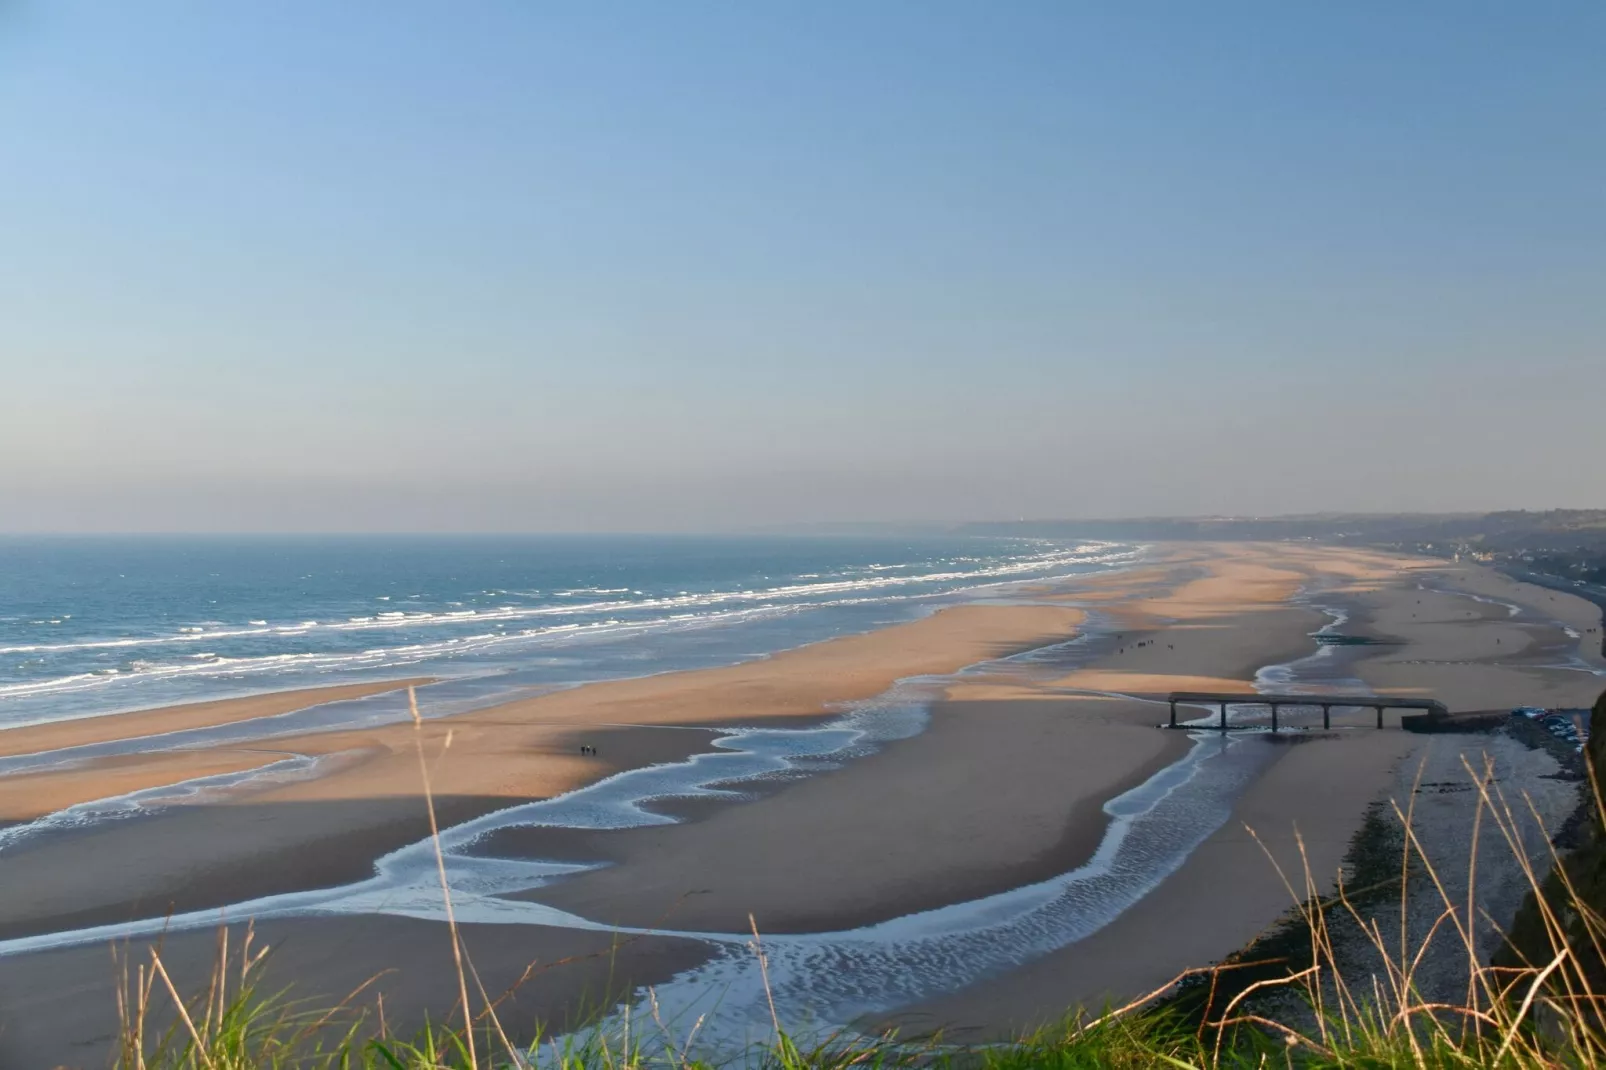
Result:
[1005,786]
[1441,639]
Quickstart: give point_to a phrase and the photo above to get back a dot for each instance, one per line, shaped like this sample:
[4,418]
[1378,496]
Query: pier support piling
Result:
[1436,710]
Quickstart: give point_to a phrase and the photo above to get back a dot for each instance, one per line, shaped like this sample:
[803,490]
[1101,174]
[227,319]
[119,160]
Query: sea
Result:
[91,625]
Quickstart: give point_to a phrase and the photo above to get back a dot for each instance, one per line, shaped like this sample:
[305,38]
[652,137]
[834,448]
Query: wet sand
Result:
[200,857]
[1005,786]
[367,800]
[916,826]
[61,1009]
[1442,643]
[493,747]
[56,735]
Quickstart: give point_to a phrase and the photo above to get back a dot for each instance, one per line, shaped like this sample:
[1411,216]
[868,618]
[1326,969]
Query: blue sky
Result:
[542,266]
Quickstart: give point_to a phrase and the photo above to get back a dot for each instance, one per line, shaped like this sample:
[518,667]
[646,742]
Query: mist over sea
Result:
[93,625]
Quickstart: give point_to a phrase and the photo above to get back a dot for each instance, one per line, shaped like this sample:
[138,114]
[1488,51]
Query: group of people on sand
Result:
[586,748]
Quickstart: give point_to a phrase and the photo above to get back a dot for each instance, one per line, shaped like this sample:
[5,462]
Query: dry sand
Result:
[1005,786]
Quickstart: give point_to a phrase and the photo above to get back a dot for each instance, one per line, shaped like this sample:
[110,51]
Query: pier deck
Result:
[1223,699]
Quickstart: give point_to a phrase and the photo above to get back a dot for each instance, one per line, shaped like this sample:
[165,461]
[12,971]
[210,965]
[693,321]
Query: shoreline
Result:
[1008,781]
[727,855]
[602,631]
[327,830]
[83,968]
[39,737]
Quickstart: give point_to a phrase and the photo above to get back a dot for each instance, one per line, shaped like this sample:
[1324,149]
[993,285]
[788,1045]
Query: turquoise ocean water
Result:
[92,625]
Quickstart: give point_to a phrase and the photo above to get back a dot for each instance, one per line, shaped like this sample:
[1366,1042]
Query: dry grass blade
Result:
[1473,966]
[201,1045]
[764,972]
[314,1025]
[1527,1002]
[446,889]
[1228,1019]
[490,1012]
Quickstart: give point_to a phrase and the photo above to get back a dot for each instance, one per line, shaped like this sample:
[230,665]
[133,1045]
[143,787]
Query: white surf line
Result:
[991,934]
[831,978]
[386,707]
[822,982]
[818,979]
[373,710]
[1575,662]
[619,801]
[249,730]
[1049,568]
[1291,676]
[1512,608]
[122,806]
[147,801]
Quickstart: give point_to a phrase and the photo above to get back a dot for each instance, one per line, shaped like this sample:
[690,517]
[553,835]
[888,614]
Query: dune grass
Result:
[1539,1007]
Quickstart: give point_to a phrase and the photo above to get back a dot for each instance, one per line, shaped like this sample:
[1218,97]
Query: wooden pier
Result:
[1433,707]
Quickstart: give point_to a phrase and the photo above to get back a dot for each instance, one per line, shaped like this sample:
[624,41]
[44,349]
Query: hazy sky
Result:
[669,265]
